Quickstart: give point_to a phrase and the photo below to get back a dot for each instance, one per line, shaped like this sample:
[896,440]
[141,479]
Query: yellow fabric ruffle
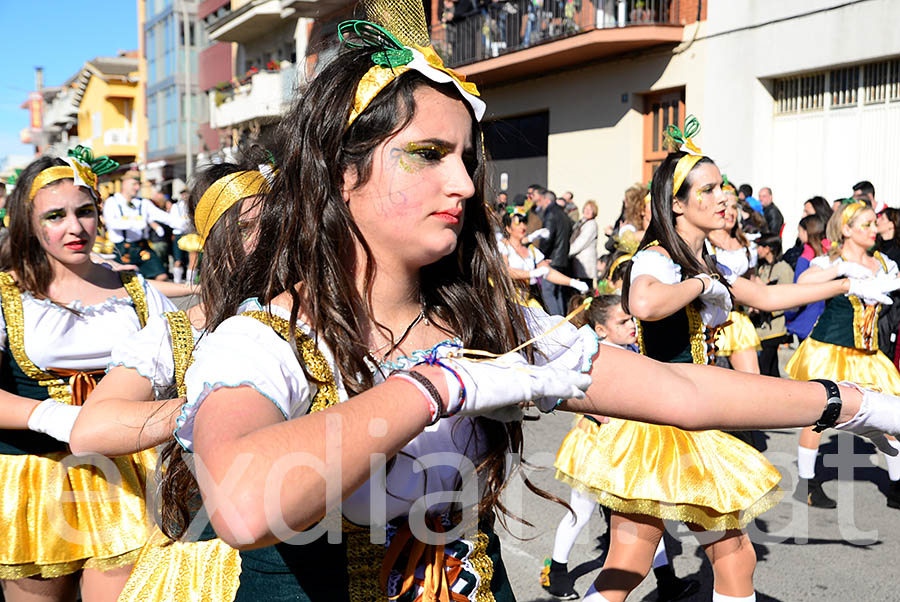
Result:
[184,572]
[59,519]
[190,243]
[872,369]
[740,335]
[708,478]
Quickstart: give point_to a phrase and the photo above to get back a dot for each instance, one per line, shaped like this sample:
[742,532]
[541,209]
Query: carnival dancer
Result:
[121,416]
[613,327]
[377,269]
[709,479]
[737,340]
[526,262]
[843,343]
[65,519]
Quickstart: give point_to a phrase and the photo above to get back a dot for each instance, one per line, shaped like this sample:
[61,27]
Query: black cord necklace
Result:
[393,346]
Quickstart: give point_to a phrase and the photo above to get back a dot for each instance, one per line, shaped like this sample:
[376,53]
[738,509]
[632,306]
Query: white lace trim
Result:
[110,304]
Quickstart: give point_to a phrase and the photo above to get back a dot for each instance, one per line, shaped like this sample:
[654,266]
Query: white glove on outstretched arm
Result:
[54,418]
[878,414]
[539,272]
[874,290]
[509,380]
[851,269]
[542,233]
[579,286]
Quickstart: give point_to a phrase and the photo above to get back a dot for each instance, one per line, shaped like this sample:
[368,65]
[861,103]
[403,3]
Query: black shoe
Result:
[557,582]
[810,492]
[893,495]
[669,587]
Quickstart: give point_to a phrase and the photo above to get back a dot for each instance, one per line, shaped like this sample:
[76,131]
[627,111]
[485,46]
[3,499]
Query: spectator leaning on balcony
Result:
[773,216]
[128,220]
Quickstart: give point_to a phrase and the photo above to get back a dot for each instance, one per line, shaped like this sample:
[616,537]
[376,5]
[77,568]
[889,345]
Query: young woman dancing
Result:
[65,520]
[377,225]
[843,343]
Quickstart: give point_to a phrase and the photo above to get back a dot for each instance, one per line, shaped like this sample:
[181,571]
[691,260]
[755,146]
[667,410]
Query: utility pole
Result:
[189,92]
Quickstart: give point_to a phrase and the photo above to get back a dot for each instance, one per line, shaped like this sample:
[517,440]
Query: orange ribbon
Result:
[441,570]
[81,382]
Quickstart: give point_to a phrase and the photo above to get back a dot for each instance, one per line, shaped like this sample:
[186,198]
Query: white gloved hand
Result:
[873,290]
[542,233]
[715,300]
[851,269]
[579,286]
[539,272]
[509,380]
[54,418]
[878,414]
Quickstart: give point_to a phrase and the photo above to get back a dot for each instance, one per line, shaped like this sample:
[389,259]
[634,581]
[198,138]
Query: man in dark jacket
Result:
[773,216]
[554,246]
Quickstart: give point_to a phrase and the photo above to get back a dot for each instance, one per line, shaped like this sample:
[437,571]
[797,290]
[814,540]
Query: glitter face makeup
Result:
[416,155]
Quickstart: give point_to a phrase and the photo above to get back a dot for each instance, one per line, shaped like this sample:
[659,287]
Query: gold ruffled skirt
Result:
[740,335]
[872,369]
[708,478]
[59,518]
[184,572]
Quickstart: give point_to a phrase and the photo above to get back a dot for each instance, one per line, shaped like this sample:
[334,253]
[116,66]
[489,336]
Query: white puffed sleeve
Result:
[653,263]
[149,352]
[823,262]
[243,352]
[157,303]
[570,347]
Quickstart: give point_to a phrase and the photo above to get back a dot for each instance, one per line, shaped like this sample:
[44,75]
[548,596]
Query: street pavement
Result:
[803,554]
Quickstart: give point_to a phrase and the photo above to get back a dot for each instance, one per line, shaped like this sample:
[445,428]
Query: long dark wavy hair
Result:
[662,224]
[223,257]
[21,251]
[308,237]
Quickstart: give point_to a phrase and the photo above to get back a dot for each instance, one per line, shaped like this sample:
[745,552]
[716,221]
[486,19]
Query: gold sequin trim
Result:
[705,517]
[11,298]
[60,569]
[483,565]
[134,289]
[698,340]
[182,346]
[315,362]
[363,564]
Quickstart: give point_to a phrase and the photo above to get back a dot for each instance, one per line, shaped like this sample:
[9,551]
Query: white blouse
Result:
[517,262]
[653,263]
[82,339]
[738,261]
[244,352]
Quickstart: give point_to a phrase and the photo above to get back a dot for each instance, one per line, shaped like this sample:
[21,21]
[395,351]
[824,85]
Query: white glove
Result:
[715,300]
[851,269]
[539,272]
[579,286]
[542,233]
[874,290]
[879,414]
[510,380]
[54,418]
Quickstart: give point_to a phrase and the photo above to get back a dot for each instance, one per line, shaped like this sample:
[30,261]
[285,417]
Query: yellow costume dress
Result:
[739,333]
[708,478]
[60,513]
[843,344]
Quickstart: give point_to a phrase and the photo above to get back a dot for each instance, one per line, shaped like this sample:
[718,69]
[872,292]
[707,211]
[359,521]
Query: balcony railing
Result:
[511,25]
[264,95]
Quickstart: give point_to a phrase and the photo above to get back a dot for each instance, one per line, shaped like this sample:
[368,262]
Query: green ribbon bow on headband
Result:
[392,52]
[100,165]
[691,129]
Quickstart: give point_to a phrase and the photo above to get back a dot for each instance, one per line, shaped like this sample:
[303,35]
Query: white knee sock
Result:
[717,597]
[660,558]
[806,462]
[178,274]
[893,462]
[570,526]
[592,595]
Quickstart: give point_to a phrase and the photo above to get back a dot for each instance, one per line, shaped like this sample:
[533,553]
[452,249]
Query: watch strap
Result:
[833,405]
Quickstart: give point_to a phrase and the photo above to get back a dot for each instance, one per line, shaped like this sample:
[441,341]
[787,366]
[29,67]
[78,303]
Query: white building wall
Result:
[752,42]
[595,145]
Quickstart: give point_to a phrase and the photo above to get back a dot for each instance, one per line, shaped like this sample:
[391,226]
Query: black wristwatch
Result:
[832,410]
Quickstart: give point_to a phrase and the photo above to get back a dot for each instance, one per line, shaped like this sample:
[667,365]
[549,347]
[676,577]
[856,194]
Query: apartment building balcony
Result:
[264,96]
[249,22]
[515,39]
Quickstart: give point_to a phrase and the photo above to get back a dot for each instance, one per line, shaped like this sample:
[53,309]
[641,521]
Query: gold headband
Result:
[851,210]
[223,194]
[619,261]
[682,169]
[48,176]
